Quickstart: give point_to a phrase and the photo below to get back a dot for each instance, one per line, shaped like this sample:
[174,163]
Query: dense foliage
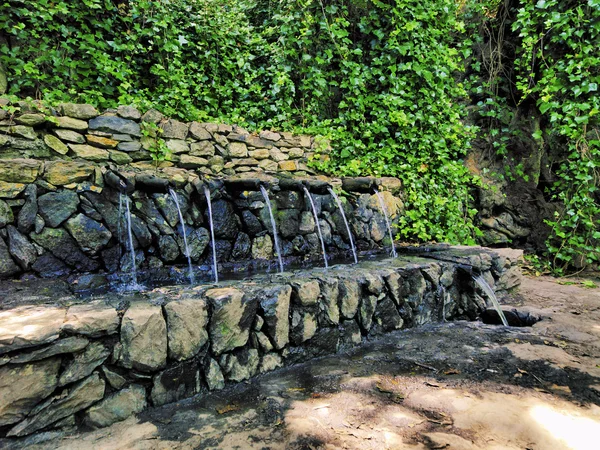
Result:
[382,78]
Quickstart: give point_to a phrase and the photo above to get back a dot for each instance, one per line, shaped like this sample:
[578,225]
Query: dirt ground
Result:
[460,385]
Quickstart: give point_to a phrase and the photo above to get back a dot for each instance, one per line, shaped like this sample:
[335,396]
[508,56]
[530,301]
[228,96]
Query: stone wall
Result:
[95,363]
[62,176]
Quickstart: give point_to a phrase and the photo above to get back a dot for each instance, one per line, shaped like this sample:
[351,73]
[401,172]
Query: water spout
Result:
[387,220]
[314,211]
[185,242]
[212,233]
[339,203]
[491,296]
[265,195]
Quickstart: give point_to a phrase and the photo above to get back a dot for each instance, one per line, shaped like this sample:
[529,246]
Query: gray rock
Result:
[176,382]
[269,362]
[84,363]
[70,344]
[152,116]
[20,248]
[77,110]
[366,311]
[305,292]
[350,293]
[115,380]
[387,316]
[168,208]
[213,375]
[328,303]
[129,146]
[6,214]
[289,200]
[289,221]
[117,407]
[275,304]
[27,214]
[204,149]
[169,250]
[71,400]
[25,385]
[71,124]
[350,333]
[62,245]
[143,338]
[69,136]
[303,326]
[394,284]
[113,124]
[60,173]
[198,240]
[186,327]
[198,131]
[242,247]
[128,112]
[7,265]
[56,144]
[241,365]
[373,283]
[251,222]
[307,223]
[225,221]
[173,129]
[262,247]
[92,319]
[91,235]
[56,207]
[261,341]
[43,326]
[232,317]
[48,266]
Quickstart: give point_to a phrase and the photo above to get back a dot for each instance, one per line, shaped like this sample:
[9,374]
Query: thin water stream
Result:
[185,242]
[318,224]
[265,195]
[491,296]
[387,221]
[212,234]
[339,203]
[131,249]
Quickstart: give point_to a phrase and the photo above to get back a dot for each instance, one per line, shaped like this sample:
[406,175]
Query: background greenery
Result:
[393,83]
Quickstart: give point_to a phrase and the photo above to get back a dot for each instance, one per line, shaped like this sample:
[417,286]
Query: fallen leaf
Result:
[227,409]
[452,372]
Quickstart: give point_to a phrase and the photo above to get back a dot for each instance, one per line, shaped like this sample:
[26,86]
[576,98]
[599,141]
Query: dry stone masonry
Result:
[94,363]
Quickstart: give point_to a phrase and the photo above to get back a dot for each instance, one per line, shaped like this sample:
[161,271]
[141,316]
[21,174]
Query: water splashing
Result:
[185,242]
[212,233]
[314,211]
[387,221]
[339,203]
[491,295]
[265,195]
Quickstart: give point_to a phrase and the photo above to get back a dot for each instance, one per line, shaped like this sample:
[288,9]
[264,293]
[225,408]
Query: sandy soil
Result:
[450,386]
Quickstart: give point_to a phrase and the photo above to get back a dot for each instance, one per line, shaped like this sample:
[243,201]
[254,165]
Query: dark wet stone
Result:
[169,250]
[108,211]
[198,239]
[223,250]
[289,221]
[147,209]
[110,258]
[325,341]
[67,345]
[289,200]
[6,214]
[56,207]
[366,311]
[275,306]
[26,218]
[117,407]
[387,316]
[113,124]
[89,210]
[89,234]
[240,365]
[177,382]
[251,223]
[328,302]
[141,232]
[48,266]
[303,325]
[242,247]
[126,262]
[64,247]
[151,183]
[350,334]
[225,221]
[84,363]
[168,208]
[20,248]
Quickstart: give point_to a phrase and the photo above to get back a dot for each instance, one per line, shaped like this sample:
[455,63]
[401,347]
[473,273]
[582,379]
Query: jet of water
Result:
[185,242]
[339,203]
[314,211]
[212,233]
[387,221]
[265,195]
[131,249]
[491,296]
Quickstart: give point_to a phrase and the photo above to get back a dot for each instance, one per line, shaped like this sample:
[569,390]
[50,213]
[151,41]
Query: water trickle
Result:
[387,221]
[265,195]
[339,203]
[212,233]
[491,295]
[134,284]
[314,211]
[119,227]
[185,242]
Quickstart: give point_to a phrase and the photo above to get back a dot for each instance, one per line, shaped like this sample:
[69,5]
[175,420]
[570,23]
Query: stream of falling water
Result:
[131,249]
[339,203]
[265,195]
[185,242]
[314,211]
[387,221]
[212,234]
[491,295]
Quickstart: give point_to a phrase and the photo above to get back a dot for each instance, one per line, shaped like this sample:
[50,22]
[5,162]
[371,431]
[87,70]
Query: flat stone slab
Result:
[29,326]
[92,319]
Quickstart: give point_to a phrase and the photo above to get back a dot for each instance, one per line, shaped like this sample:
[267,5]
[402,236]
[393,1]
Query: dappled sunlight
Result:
[576,431]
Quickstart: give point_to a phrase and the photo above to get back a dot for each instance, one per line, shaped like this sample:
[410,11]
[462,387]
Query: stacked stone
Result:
[90,364]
